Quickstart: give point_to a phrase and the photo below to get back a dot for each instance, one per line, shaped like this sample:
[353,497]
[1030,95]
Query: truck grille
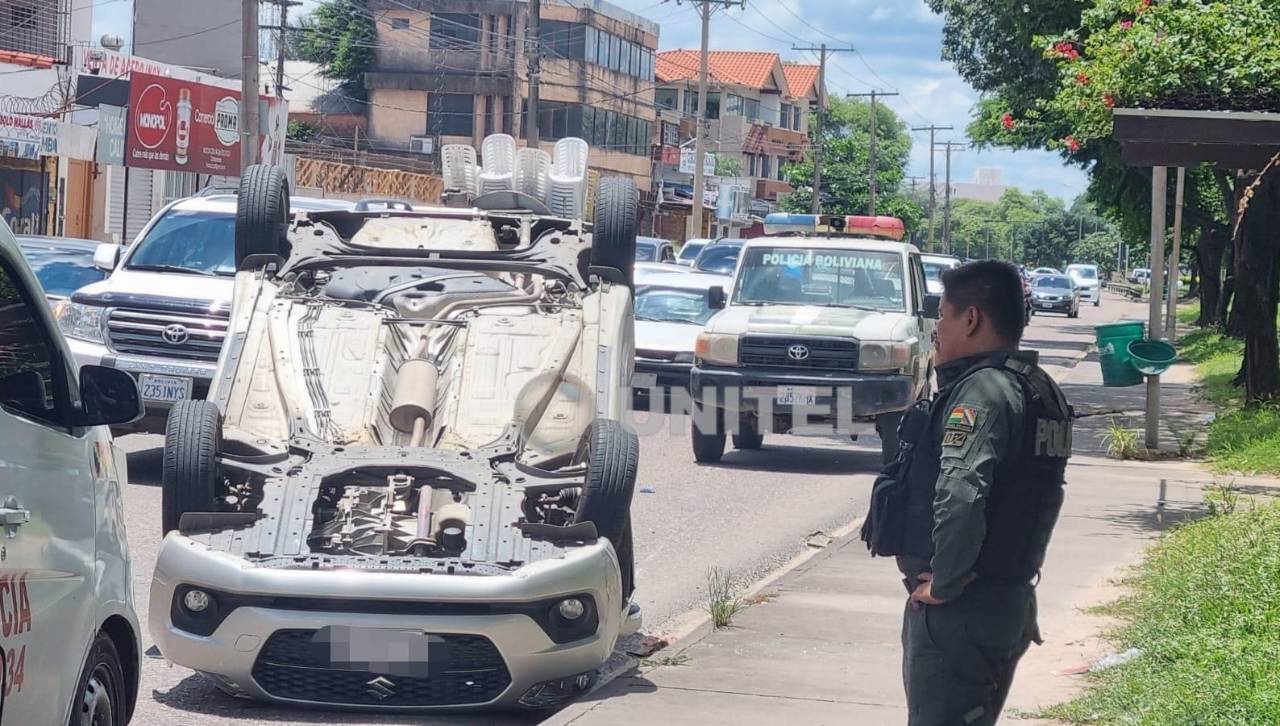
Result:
[170,335]
[290,666]
[822,353]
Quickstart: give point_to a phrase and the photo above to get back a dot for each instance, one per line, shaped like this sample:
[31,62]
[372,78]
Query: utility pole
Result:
[705,8]
[248,83]
[283,46]
[946,212]
[534,46]
[871,161]
[933,187]
[822,51]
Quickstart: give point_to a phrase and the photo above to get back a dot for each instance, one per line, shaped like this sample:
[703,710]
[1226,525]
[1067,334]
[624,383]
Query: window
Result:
[399,23]
[24,349]
[751,108]
[766,166]
[691,104]
[782,174]
[785,116]
[666,98]
[199,241]
[625,62]
[455,30]
[795,118]
[733,106]
[450,114]
[591,50]
[670,134]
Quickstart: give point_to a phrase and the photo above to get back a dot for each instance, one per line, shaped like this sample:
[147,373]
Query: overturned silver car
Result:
[409,487]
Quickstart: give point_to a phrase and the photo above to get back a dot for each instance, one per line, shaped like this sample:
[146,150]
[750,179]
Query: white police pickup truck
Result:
[828,323]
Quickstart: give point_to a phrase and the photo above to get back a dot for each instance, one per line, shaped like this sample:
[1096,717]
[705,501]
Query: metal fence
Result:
[40,27]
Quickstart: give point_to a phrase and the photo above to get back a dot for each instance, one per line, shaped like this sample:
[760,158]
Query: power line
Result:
[933,191]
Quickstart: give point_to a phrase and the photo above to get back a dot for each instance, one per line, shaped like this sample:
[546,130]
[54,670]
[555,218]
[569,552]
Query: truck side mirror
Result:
[932,304]
[106,255]
[716,299]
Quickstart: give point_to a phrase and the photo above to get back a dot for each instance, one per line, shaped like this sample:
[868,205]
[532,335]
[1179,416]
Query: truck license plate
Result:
[644,380]
[796,395]
[166,389]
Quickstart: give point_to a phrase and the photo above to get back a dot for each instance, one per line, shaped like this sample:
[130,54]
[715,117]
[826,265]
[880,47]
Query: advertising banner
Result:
[111,130]
[688,157]
[179,125]
[21,137]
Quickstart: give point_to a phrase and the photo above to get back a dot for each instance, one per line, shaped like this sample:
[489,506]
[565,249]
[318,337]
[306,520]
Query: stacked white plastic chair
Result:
[460,169]
[499,156]
[532,169]
[568,178]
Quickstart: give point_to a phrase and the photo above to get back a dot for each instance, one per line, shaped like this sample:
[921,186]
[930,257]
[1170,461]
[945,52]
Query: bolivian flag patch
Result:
[963,418]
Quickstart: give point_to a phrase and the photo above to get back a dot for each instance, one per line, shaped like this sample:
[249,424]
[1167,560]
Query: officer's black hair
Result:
[995,288]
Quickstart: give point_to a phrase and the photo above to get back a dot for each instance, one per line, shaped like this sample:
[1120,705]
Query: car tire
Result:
[612,454]
[1097,301]
[887,428]
[101,696]
[190,477]
[749,437]
[708,446]
[613,238]
[262,214]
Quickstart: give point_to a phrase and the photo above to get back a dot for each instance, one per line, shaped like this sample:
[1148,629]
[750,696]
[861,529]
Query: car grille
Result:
[144,333]
[823,353]
[290,666]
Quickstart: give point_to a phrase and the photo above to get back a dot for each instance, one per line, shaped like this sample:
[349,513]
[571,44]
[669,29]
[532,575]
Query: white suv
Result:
[1086,279]
[69,649]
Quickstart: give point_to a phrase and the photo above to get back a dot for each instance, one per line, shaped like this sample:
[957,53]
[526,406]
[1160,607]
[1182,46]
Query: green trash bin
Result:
[1113,352]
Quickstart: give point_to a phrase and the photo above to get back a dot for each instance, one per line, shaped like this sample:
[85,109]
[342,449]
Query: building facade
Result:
[455,71]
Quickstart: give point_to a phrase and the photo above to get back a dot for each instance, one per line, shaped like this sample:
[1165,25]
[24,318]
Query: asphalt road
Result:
[748,515]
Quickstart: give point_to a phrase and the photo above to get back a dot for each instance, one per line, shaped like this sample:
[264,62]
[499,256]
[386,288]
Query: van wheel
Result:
[192,438]
[613,238]
[612,455]
[887,428]
[708,446]
[100,698]
[262,215]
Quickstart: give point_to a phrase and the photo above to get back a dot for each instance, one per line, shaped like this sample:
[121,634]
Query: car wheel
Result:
[262,214]
[100,697]
[1097,301]
[189,480]
[612,454]
[749,437]
[887,428]
[708,446]
[613,238]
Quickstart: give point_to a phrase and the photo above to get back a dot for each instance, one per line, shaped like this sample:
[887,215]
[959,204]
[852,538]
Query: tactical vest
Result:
[1023,502]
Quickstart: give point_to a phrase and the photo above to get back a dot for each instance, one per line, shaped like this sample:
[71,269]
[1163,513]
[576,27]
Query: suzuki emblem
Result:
[381,688]
[798,352]
[175,334]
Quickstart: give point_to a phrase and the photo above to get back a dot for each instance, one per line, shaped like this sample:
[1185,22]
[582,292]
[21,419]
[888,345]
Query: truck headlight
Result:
[883,356]
[717,348]
[82,322]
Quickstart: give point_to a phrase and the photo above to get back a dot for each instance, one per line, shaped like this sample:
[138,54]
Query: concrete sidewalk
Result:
[821,645]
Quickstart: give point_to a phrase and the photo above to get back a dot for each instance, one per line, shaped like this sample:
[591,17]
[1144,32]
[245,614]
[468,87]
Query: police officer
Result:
[969,504]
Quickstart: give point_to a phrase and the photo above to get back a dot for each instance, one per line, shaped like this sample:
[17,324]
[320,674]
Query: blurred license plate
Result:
[1044,304]
[796,395]
[168,389]
[378,650]
[644,380]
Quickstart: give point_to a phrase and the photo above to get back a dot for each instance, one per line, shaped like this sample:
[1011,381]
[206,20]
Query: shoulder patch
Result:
[954,438]
[962,418]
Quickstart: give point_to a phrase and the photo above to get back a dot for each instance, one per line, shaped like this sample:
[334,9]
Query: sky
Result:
[899,48]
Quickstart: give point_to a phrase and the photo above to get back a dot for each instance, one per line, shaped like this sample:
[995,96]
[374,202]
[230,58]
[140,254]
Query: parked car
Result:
[414,442]
[1139,275]
[652,249]
[69,647]
[817,318]
[670,311]
[1055,294]
[1088,281]
[646,269]
[689,251]
[62,264]
[934,266]
[719,257]
[1045,271]
[162,312]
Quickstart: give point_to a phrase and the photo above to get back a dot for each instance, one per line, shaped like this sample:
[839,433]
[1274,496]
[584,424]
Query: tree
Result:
[846,159]
[728,165]
[340,36]
[1099,248]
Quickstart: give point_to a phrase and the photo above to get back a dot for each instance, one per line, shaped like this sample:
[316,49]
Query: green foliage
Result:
[846,159]
[340,36]
[1205,613]
[1100,248]
[301,130]
[728,166]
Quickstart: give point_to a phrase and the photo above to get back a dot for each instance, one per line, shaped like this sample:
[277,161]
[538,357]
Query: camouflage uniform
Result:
[983,492]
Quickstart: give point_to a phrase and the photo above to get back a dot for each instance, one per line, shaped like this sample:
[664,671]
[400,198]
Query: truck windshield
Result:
[821,276]
[196,242]
[1083,273]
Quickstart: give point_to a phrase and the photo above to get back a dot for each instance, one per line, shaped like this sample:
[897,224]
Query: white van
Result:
[69,648]
[1086,279]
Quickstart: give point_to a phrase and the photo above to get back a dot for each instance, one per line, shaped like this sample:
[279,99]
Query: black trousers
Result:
[958,659]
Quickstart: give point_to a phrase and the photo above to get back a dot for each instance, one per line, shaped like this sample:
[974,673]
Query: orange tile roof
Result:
[745,68]
[801,78]
[26,59]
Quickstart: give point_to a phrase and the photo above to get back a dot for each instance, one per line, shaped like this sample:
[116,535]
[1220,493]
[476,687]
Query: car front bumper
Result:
[471,614]
[866,395]
[664,374]
[1053,306]
[200,372]
[1090,294]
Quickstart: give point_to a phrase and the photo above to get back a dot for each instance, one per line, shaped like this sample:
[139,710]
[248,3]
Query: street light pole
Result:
[249,83]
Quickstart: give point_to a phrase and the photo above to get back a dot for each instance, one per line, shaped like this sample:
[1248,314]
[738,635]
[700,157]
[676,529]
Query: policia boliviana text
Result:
[970,501]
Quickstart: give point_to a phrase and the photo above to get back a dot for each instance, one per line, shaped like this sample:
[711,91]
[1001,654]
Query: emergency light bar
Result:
[860,226]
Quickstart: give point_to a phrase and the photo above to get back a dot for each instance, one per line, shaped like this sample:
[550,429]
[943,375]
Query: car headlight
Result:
[82,322]
[717,348]
[883,356]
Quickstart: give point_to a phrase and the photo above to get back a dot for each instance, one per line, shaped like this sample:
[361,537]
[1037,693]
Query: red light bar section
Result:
[888,227]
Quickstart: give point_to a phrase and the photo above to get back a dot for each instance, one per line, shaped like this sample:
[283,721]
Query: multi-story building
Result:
[758,110]
[454,71]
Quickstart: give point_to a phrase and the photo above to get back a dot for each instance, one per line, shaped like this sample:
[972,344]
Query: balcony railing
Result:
[38,27]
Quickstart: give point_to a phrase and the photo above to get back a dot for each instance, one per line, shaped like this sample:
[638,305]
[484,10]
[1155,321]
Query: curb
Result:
[694,626]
